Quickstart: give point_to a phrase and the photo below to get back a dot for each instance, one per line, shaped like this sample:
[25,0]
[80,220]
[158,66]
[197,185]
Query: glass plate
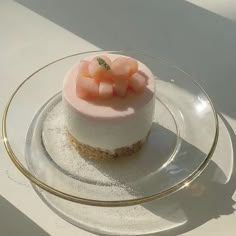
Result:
[181,142]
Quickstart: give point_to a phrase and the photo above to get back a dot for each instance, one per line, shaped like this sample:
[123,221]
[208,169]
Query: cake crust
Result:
[99,154]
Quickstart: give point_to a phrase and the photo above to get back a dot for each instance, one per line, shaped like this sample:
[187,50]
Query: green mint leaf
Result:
[103,63]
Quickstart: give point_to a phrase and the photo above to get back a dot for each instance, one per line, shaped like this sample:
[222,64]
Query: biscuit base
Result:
[100,154]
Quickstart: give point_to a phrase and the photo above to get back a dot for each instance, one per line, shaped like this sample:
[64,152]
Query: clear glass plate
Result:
[182,140]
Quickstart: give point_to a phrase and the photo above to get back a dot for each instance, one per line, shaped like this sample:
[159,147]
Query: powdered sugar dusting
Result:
[122,178]
[107,172]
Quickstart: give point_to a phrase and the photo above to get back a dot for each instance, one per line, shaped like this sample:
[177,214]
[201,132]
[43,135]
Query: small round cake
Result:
[108,105]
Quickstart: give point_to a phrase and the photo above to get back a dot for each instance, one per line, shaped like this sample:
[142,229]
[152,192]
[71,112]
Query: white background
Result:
[199,36]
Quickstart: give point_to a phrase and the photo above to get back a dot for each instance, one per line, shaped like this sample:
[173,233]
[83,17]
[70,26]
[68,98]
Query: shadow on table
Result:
[209,197]
[199,41]
[14,223]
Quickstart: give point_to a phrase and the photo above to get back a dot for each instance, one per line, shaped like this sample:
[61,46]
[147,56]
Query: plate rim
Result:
[182,184]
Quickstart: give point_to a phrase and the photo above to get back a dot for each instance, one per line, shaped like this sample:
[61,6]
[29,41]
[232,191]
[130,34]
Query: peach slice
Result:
[97,69]
[87,87]
[120,87]
[83,68]
[124,67]
[120,68]
[133,65]
[137,82]
[107,77]
[105,90]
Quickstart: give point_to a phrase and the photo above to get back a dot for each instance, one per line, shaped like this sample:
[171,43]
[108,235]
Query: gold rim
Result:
[92,202]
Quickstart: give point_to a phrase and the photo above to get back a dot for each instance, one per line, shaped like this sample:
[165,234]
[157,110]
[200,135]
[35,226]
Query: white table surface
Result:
[199,36]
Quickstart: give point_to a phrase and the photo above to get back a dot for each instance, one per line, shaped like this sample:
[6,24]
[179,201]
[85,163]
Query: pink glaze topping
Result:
[108,99]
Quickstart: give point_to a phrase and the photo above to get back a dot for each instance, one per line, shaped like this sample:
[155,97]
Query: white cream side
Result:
[109,134]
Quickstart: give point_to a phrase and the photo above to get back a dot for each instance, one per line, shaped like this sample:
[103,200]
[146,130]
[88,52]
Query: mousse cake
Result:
[108,103]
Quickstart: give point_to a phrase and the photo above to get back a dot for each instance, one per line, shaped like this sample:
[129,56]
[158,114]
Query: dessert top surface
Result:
[114,106]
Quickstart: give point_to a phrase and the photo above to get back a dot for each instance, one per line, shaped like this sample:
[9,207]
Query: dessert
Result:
[108,103]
